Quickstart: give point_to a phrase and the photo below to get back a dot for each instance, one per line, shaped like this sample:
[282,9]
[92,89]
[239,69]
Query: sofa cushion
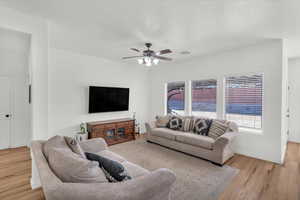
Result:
[201,126]
[74,146]
[113,170]
[71,167]
[217,129]
[162,121]
[55,142]
[135,170]
[165,133]
[196,140]
[111,155]
[175,123]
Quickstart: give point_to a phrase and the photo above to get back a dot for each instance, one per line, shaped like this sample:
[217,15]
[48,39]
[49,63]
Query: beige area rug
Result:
[196,179]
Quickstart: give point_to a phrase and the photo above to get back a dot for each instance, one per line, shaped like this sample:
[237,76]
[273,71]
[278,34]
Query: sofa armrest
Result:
[154,186]
[93,145]
[149,126]
[224,140]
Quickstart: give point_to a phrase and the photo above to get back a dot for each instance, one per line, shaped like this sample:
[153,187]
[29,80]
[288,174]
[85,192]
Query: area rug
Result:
[196,179]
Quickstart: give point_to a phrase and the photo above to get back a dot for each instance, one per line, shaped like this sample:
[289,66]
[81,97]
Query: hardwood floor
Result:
[260,180]
[15,172]
[257,180]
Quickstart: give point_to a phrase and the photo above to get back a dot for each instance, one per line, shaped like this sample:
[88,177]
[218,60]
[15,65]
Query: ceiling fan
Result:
[149,56]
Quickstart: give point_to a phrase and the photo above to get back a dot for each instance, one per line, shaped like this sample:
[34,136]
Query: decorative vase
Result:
[81,136]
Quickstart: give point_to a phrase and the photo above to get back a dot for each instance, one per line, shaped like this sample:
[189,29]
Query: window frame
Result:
[166,96]
[191,95]
[262,102]
[221,101]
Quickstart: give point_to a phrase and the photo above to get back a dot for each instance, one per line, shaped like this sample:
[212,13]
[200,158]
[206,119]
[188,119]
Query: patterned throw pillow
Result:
[217,129]
[113,170]
[201,126]
[175,123]
[188,123]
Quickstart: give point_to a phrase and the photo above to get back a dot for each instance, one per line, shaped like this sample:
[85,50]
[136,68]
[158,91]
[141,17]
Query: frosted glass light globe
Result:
[148,64]
[147,60]
[156,61]
[140,61]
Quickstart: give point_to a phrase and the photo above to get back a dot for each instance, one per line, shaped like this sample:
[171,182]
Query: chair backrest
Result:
[48,179]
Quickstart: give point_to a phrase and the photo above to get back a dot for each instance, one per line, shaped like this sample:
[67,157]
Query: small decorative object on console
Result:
[82,135]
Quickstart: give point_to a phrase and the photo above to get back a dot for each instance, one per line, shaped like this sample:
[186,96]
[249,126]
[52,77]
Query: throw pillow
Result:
[217,129]
[175,123]
[188,124]
[231,125]
[72,168]
[201,126]
[113,170]
[74,146]
[55,142]
[162,121]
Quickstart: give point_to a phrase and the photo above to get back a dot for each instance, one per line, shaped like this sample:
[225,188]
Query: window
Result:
[244,100]
[204,96]
[175,98]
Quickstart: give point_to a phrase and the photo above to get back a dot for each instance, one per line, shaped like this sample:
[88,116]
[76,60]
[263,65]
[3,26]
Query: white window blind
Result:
[244,100]
[175,98]
[204,98]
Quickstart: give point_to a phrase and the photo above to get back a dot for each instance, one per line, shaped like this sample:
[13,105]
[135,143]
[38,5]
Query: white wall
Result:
[14,61]
[71,73]
[126,76]
[294,99]
[38,68]
[284,102]
[261,58]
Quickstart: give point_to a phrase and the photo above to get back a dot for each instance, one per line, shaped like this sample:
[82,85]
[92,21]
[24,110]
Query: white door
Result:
[5,114]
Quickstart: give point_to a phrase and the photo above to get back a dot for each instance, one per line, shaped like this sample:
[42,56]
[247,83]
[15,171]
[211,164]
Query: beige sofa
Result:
[145,185]
[217,151]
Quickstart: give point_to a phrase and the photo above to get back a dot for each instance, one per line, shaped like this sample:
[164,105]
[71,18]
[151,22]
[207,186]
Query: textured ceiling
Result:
[109,28]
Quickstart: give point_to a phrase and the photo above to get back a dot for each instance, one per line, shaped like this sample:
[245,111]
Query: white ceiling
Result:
[108,28]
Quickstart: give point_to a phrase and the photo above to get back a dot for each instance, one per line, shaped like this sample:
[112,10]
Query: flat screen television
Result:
[108,99]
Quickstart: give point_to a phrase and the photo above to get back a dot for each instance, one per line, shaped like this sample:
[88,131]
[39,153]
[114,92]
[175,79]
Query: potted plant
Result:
[82,135]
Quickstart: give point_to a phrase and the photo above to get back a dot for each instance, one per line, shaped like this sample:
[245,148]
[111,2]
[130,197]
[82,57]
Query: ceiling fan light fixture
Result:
[148,64]
[141,61]
[155,61]
[147,60]
[150,57]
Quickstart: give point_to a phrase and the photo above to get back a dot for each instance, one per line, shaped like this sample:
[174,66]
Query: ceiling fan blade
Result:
[163,58]
[185,52]
[128,57]
[134,49]
[165,51]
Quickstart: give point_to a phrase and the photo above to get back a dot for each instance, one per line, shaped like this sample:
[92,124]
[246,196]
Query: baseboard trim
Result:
[34,185]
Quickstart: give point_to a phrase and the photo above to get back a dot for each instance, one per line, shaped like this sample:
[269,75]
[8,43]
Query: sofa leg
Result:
[220,165]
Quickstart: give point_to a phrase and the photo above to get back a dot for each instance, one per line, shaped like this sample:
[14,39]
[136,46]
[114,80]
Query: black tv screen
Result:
[108,99]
